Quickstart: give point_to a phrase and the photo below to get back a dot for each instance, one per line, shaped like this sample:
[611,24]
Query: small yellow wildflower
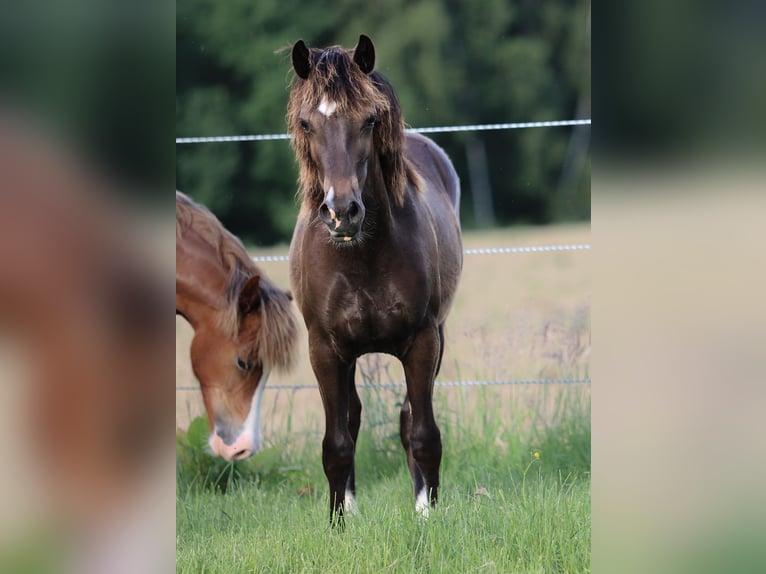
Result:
[536,454]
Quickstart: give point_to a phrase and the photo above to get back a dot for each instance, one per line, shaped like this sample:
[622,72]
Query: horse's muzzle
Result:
[242,447]
[344,220]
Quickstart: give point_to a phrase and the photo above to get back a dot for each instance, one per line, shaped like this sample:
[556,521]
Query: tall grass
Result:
[515,494]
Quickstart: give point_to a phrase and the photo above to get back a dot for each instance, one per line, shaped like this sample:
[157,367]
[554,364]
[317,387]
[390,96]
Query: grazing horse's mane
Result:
[275,341]
[335,75]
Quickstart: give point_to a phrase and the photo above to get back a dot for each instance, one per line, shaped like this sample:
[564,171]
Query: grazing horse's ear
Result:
[364,54]
[250,296]
[301,59]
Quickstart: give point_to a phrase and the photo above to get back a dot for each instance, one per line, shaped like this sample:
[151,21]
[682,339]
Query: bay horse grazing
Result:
[376,254]
[243,326]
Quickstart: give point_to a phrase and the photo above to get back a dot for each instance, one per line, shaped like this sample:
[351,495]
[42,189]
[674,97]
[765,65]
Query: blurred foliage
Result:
[450,61]
[77,70]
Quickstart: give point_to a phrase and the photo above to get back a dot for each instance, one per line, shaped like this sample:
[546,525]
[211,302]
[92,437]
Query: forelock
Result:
[335,76]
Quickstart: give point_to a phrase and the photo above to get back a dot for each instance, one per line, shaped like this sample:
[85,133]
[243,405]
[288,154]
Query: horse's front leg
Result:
[420,434]
[354,422]
[338,445]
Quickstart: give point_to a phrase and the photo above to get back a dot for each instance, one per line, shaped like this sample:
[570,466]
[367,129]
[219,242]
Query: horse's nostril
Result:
[324,211]
[244,453]
[353,210]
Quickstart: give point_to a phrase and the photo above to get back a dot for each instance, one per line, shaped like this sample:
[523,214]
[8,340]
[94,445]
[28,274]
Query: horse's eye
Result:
[243,365]
[305,125]
[370,123]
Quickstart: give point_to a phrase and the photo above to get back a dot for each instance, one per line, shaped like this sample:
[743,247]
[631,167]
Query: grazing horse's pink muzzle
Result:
[243,447]
[242,442]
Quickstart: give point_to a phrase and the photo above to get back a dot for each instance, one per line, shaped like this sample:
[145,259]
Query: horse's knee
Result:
[337,452]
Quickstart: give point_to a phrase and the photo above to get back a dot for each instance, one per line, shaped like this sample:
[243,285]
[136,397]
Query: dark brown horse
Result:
[376,254]
[243,326]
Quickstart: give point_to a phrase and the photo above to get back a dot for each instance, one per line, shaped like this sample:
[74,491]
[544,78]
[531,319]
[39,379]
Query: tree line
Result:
[452,62]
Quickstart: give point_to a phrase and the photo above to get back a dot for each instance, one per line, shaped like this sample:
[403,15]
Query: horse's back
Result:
[440,189]
[433,164]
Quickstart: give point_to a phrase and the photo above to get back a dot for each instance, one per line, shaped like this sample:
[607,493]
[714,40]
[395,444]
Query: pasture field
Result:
[515,494]
[516,316]
[501,509]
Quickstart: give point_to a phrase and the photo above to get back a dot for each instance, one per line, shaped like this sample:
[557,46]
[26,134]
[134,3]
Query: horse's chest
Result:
[370,320]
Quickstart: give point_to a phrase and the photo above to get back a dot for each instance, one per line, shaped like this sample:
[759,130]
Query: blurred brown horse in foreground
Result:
[86,359]
[376,255]
[243,326]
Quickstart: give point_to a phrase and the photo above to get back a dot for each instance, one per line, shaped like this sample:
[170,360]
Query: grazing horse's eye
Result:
[305,125]
[243,365]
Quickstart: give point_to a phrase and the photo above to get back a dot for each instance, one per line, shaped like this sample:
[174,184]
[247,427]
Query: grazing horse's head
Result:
[232,377]
[346,122]
[243,326]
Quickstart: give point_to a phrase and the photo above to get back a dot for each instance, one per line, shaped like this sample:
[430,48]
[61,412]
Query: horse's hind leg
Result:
[405,431]
[405,425]
[420,434]
[441,349]
[354,422]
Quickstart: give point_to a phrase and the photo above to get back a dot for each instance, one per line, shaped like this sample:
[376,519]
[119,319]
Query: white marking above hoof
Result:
[349,504]
[422,505]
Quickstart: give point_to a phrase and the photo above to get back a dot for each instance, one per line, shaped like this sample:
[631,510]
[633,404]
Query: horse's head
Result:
[232,378]
[339,112]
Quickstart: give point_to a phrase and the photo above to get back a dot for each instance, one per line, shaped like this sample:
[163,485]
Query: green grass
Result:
[502,509]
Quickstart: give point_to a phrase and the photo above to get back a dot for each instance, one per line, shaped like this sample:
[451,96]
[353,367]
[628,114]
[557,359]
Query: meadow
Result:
[515,475]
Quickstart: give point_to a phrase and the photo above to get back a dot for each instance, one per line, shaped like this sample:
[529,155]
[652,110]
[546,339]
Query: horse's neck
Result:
[200,281]
[378,201]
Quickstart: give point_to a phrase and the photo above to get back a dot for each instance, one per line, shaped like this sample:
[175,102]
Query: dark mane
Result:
[335,75]
[275,341]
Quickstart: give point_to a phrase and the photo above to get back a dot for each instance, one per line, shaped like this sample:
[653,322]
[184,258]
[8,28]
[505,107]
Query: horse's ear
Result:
[301,59]
[364,54]
[250,296]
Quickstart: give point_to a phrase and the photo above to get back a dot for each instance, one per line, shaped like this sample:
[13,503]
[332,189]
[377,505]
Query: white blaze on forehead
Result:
[327,107]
